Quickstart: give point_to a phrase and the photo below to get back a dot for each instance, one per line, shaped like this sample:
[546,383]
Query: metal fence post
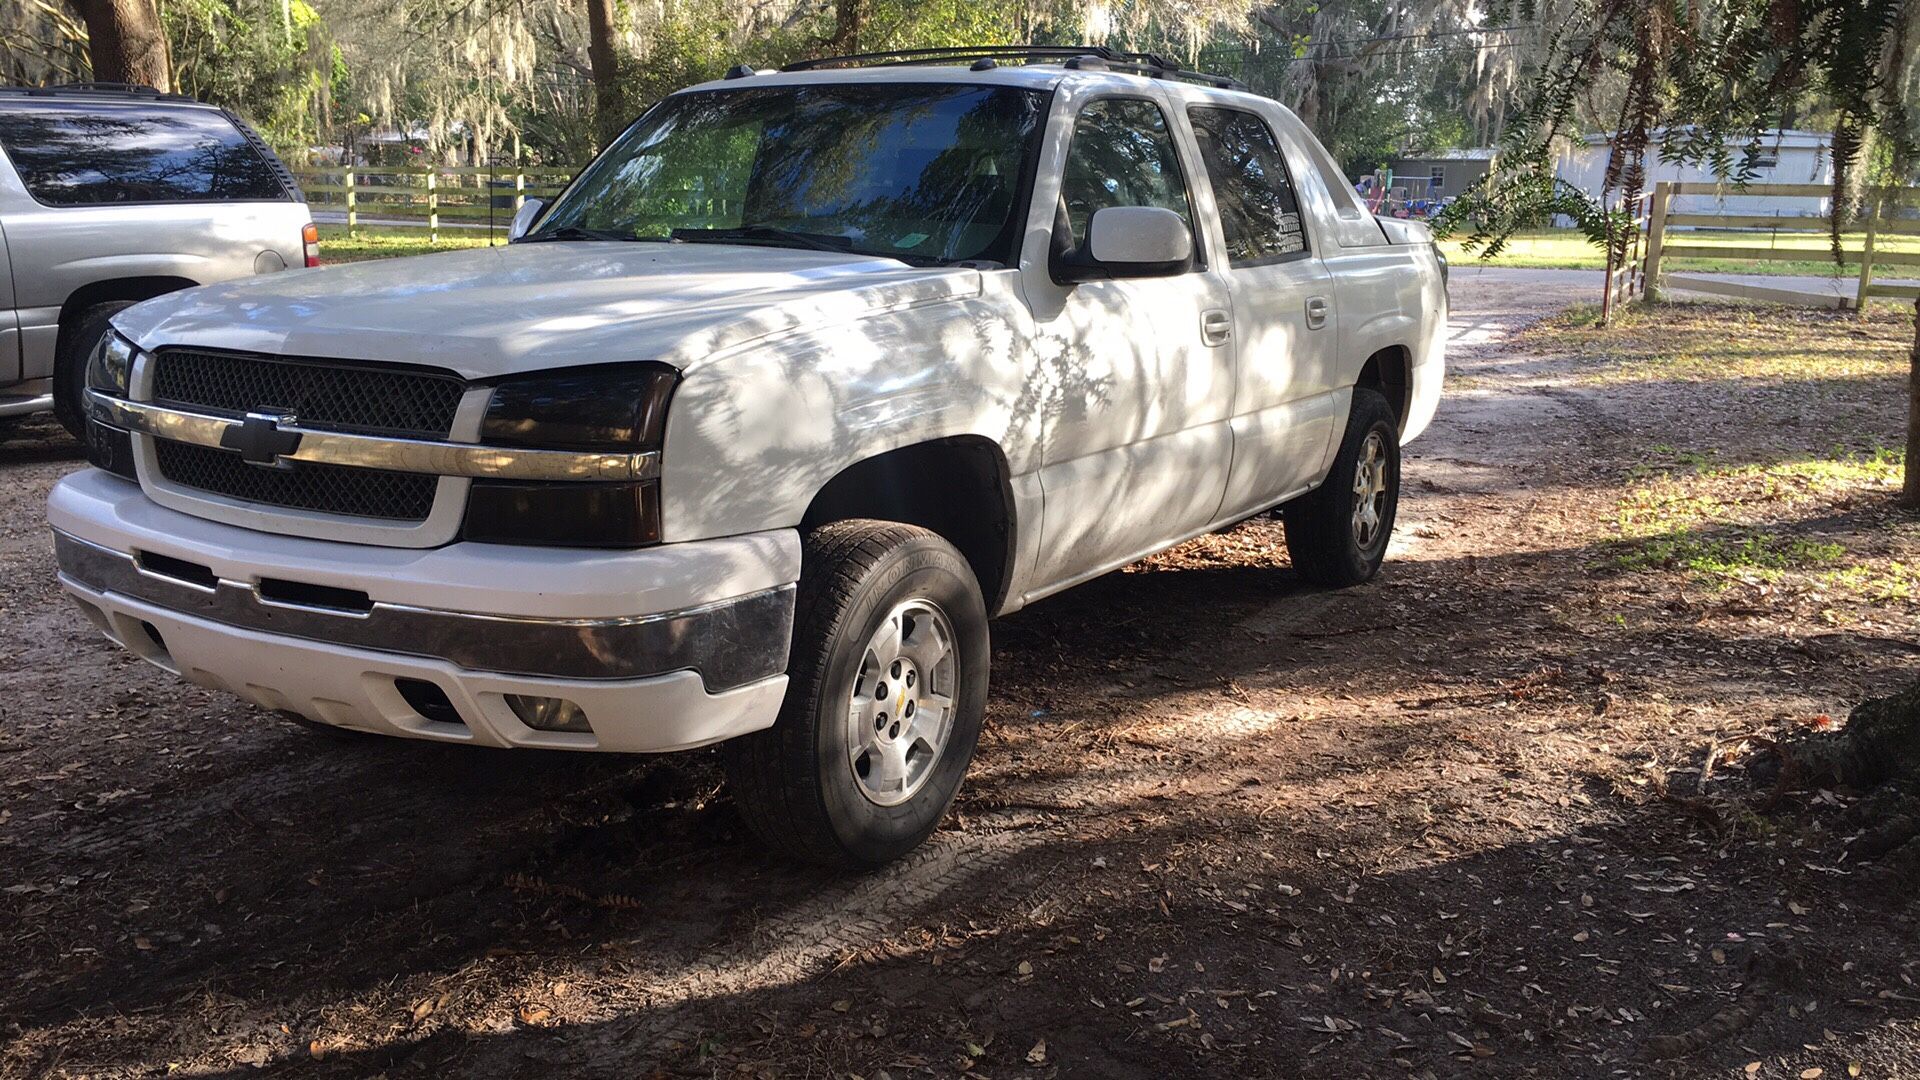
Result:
[1861,298]
[1606,287]
[433,206]
[353,214]
[1636,281]
[1656,238]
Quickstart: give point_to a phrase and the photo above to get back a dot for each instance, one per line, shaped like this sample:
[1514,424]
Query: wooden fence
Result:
[423,197]
[1881,217]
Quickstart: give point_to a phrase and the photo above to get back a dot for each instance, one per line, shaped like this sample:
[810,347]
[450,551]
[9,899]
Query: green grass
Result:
[1710,521]
[1566,249]
[388,242]
[1667,343]
[1753,556]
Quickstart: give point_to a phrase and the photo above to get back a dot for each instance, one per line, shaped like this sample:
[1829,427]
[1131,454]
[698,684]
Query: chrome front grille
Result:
[319,395]
[365,399]
[329,489]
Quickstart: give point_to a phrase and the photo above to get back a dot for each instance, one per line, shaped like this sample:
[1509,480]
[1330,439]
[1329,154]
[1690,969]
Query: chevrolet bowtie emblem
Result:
[262,440]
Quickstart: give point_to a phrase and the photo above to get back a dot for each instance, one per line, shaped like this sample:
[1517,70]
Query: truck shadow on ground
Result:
[1267,956]
[37,439]
[272,874]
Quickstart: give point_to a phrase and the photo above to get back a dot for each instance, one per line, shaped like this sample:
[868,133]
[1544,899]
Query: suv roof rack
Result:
[985,57]
[99,90]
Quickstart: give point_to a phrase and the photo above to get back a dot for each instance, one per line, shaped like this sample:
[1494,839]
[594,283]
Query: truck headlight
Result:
[617,407]
[110,371]
[110,368]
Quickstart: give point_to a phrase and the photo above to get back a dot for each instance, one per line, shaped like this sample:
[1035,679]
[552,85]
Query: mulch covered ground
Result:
[1220,824]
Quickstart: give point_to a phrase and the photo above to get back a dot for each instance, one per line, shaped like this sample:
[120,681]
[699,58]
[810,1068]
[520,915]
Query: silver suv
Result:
[110,195]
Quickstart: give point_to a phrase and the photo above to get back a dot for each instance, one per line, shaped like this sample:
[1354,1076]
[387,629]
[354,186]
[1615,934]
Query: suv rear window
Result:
[81,155]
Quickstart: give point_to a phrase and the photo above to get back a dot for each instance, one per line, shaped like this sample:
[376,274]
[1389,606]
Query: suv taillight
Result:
[310,240]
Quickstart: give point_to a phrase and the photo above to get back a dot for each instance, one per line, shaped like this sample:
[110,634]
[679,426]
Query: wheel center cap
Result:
[904,682]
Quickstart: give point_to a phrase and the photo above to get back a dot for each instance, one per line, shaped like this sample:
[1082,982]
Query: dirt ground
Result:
[1220,824]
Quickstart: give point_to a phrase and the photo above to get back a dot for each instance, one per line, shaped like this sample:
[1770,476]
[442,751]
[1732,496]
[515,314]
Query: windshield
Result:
[923,173]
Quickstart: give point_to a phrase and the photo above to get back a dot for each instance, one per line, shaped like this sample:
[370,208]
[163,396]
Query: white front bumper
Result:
[357,686]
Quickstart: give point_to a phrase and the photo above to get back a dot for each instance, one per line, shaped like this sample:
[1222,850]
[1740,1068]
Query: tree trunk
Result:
[608,117]
[846,28]
[1910,490]
[126,42]
[1880,743]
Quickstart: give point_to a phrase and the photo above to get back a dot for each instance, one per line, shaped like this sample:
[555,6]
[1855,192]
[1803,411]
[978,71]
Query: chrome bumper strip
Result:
[730,643]
[374,451]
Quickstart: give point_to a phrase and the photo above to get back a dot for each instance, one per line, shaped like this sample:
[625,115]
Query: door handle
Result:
[1316,312]
[1216,326]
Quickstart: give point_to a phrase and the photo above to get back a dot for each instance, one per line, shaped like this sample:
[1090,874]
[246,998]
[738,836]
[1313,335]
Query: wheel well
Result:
[1386,371]
[101,292]
[957,487]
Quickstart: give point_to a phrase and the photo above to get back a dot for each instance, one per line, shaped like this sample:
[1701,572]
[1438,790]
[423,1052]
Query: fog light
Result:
[548,713]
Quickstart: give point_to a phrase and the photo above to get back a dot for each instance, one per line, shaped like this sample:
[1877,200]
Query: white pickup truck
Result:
[747,435]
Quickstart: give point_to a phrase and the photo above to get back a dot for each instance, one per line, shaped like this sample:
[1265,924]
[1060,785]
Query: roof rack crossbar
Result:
[98,89]
[1141,63]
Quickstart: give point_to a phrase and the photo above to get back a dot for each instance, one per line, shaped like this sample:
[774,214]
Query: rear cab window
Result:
[1259,208]
[81,154]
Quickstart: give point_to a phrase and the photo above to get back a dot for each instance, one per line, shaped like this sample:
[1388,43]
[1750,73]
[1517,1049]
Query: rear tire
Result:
[1338,533]
[888,686]
[70,364]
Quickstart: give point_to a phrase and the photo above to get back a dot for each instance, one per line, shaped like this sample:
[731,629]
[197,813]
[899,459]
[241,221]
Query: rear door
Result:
[9,317]
[1283,318]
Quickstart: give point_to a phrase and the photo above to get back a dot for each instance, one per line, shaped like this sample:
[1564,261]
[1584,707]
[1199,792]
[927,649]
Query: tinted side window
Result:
[1121,155]
[79,155]
[1258,207]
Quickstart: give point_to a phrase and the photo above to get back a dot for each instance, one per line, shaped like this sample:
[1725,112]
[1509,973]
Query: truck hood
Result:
[525,307]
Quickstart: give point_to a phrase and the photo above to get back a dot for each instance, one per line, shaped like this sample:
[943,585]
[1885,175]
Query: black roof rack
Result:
[985,56]
[100,90]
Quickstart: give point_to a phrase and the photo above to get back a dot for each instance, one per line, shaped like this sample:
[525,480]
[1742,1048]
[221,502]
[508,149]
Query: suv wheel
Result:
[1337,534]
[70,364]
[888,687]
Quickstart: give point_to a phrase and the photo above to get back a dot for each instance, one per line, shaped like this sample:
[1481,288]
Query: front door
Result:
[1138,374]
[1284,407]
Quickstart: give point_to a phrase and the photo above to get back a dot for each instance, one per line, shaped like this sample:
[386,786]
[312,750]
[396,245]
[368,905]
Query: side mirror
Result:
[523,218]
[1129,242]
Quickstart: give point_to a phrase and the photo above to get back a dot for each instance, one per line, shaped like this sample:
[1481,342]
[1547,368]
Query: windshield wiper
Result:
[784,237]
[765,234]
[576,232]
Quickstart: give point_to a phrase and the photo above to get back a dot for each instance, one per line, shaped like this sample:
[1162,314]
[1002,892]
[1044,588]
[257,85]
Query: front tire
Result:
[1338,533]
[70,364]
[887,689]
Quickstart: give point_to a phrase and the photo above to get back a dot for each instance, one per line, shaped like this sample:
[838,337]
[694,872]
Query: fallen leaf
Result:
[1038,1055]
[534,1014]
[1812,1074]
[1025,968]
